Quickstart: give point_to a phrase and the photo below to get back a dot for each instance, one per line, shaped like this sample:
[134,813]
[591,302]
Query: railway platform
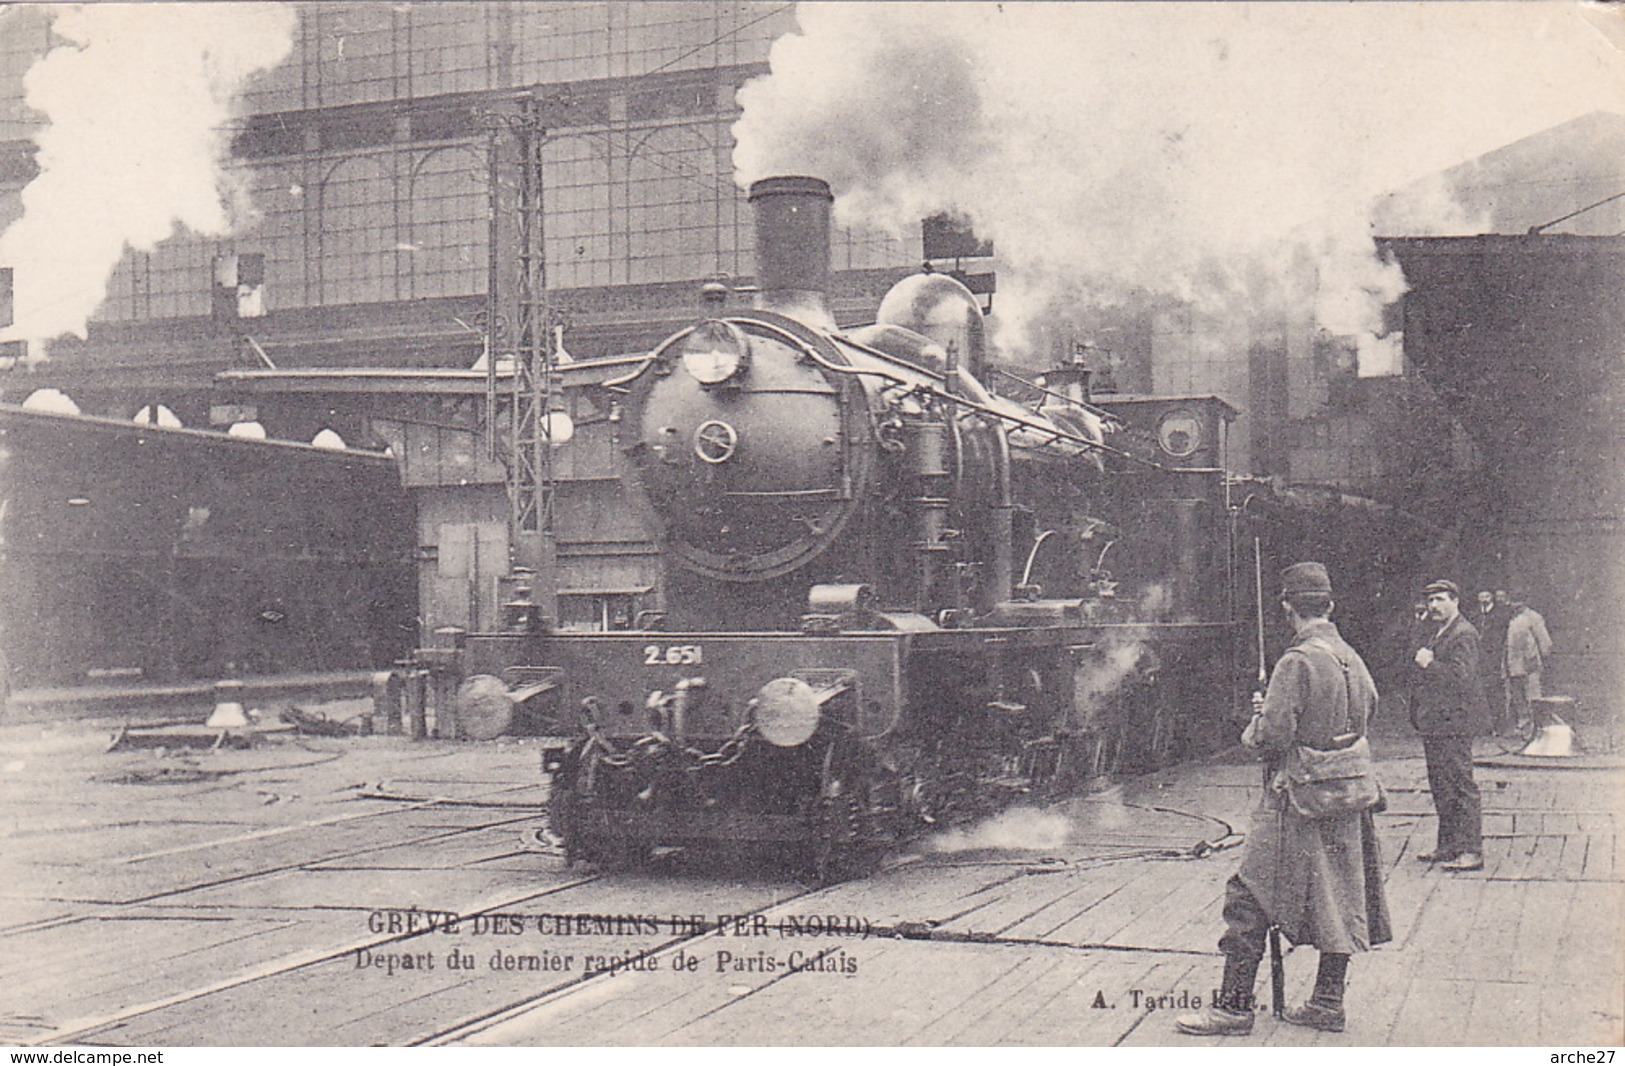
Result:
[152,701]
[373,890]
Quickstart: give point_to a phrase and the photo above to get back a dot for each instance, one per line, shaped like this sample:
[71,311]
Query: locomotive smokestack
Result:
[792,247]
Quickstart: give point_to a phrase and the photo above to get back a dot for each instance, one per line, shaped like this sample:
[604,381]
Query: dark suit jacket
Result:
[1447,697]
[1492,641]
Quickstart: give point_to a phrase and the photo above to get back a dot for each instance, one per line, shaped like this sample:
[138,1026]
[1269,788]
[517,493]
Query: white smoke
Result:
[137,99]
[1101,676]
[1155,602]
[1017,829]
[1228,155]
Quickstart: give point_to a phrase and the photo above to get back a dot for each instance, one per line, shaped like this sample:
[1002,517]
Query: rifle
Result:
[1277,974]
[1258,610]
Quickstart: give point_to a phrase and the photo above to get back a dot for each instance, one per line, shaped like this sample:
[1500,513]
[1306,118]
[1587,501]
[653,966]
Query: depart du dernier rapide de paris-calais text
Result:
[814,955]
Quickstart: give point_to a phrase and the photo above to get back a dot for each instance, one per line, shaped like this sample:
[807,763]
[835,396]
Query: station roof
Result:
[17,419]
[413,380]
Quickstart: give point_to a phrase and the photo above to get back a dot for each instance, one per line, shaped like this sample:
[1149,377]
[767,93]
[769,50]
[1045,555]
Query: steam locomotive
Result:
[894,598]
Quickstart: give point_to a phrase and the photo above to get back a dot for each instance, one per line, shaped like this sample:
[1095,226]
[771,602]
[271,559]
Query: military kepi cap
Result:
[1442,586]
[1305,577]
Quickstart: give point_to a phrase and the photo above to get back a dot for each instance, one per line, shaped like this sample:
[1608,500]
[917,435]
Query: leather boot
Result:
[1231,1014]
[1324,1011]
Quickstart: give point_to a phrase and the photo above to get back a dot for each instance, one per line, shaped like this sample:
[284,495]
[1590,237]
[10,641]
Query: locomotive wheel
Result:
[563,815]
[833,840]
[621,854]
[842,848]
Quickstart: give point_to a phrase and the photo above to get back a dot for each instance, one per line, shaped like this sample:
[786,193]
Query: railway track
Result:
[250,905]
[85,1031]
[269,979]
[247,903]
[254,933]
[466,1029]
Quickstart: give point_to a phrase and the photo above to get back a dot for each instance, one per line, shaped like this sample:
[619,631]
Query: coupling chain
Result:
[611,756]
[655,745]
[727,755]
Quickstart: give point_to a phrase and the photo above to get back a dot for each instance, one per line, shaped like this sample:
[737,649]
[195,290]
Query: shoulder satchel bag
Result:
[1328,784]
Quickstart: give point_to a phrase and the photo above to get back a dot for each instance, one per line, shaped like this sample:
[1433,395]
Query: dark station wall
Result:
[1524,340]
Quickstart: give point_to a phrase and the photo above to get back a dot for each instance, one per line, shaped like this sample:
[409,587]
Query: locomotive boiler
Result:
[893,598]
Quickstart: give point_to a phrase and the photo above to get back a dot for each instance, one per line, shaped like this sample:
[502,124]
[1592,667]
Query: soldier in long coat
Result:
[1319,881]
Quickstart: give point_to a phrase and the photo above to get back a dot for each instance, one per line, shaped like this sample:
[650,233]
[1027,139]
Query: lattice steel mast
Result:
[518,317]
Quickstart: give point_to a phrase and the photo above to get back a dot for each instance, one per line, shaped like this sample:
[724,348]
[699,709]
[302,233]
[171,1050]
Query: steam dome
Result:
[940,308]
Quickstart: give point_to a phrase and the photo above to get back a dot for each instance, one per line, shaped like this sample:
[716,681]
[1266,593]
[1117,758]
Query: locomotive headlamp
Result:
[715,352]
[786,712]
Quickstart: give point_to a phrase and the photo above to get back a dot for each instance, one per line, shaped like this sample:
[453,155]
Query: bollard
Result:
[414,697]
[386,700]
[1554,737]
[447,667]
[228,706]
[443,665]
[446,724]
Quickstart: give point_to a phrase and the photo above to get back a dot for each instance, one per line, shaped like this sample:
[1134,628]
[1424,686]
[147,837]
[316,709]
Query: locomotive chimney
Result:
[792,247]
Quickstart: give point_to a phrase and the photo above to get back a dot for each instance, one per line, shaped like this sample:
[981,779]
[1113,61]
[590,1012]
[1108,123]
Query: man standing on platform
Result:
[1447,708]
[1526,648]
[1318,880]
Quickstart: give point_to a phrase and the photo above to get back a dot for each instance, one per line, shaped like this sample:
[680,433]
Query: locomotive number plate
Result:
[672,655]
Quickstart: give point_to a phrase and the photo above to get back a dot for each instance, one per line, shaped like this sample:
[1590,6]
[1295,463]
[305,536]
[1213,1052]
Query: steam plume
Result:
[1103,676]
[136,99]
[1223,154]
[1017,829]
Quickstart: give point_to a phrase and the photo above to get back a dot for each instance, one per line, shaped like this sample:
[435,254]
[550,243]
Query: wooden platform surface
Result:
[206,898]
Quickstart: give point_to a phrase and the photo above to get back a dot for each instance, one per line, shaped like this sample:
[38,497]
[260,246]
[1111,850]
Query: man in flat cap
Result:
[1449,710]
[1318,880]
